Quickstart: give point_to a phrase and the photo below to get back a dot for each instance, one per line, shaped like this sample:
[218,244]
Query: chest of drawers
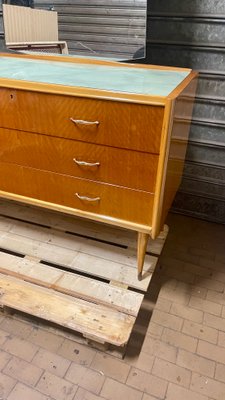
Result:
[95,139]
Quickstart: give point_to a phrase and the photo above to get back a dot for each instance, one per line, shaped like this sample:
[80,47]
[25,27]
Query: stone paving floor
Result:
[176,351]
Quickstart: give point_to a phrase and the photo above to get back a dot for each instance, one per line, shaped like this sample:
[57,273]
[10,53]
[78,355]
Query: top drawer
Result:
[112,123]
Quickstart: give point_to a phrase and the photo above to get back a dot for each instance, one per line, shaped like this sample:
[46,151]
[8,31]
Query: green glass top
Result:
[117,79]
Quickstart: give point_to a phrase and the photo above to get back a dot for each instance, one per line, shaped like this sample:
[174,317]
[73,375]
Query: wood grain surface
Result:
[98,321]
[115,202]
[122,125]
[132,169]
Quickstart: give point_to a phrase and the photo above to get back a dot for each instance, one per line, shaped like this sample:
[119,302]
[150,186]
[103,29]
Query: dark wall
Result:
[192,34]
[1,27]
[25,3]
[101,28]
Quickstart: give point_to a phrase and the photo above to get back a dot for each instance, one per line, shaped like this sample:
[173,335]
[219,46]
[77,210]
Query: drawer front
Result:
[112,123]
[120,167]
[100,199]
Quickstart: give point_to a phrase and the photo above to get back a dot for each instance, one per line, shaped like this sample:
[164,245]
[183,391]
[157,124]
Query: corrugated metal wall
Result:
[190,34]
[108,28]
[1,27]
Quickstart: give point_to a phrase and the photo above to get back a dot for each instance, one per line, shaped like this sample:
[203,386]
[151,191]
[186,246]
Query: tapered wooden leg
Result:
[141,250]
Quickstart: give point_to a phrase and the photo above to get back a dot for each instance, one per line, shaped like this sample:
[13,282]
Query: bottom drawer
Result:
[106,200]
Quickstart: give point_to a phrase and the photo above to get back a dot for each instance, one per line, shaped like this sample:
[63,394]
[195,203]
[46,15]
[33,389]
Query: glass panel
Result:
[114,78]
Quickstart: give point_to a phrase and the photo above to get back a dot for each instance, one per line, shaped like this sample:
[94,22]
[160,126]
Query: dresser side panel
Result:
[177,138]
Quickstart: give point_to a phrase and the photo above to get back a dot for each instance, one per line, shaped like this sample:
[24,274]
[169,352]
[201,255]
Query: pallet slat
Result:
[123,300]
[57,238]
[77,286]
[97,321]
[27,270]
[102,311]
[80,226]
[96,259]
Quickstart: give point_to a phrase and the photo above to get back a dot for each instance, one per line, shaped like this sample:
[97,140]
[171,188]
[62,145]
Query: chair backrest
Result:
[24,24]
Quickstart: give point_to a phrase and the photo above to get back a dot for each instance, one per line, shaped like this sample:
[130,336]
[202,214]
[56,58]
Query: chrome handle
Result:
[86,164]
[91,199]
[83,122]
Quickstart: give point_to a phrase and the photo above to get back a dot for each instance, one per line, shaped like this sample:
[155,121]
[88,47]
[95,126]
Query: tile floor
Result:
[176,351]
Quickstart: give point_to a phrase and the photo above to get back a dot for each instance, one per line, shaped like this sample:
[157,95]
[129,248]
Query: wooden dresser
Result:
[96,139]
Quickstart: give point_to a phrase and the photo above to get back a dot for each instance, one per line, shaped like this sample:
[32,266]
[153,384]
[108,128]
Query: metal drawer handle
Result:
[86,164]
[85,198]
[82,122]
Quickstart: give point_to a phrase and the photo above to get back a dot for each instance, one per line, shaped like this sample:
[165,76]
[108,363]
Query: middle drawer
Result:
[127,168]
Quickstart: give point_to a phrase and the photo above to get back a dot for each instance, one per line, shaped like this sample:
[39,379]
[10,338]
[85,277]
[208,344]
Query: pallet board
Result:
[76,273]
[101,323]
[63,222]
[86,255]
[75,285]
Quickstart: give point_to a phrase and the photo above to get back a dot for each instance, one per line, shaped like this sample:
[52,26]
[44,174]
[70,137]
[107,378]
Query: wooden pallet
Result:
[76,273]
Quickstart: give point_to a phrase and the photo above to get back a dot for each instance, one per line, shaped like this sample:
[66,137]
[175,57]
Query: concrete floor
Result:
[176,351]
